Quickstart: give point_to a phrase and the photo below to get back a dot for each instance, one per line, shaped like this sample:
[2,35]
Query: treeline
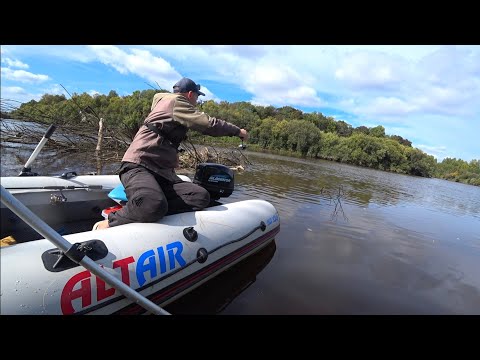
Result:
[283,130]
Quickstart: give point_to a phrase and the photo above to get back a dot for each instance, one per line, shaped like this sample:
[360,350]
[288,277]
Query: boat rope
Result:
[262,226]
[59,187]
[202,256]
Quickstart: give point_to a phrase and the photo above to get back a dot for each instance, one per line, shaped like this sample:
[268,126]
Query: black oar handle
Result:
[49,131]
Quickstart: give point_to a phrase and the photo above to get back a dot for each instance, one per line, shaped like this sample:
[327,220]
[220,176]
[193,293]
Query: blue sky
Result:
[429,95]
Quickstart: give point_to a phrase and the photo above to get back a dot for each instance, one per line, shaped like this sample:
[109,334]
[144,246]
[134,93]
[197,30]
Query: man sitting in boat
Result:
[148,166]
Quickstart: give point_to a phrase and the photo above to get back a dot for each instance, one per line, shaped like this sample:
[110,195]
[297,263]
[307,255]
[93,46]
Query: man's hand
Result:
[243,135]
[177,161]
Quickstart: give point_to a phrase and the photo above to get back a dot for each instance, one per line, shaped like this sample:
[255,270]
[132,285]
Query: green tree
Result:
[377,131]
[401,140]
[362,129]
[288,113]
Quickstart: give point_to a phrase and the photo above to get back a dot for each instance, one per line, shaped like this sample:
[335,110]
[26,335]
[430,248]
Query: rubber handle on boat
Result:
[49,131]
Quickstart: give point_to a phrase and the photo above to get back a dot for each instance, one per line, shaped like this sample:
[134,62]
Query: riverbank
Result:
[71,140]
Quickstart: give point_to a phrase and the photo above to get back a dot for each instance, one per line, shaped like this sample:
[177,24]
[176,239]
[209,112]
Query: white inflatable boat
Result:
[161,261]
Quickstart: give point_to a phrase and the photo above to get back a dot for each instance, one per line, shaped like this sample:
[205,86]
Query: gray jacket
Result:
[172,115]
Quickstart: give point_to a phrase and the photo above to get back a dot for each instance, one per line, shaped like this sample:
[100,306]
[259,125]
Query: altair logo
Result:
[219,178]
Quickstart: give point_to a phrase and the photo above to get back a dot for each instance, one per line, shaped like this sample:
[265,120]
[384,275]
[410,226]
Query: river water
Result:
[352,240]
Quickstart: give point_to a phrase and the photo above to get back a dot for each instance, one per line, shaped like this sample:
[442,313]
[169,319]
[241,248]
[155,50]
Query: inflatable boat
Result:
[160,262]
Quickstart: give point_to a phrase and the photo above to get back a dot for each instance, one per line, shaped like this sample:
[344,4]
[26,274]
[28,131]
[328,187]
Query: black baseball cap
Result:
[185,85]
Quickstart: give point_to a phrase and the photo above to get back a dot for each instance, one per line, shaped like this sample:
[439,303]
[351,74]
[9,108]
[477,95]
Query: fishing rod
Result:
[26,171]
[243,146]
[74,253]
[80,108]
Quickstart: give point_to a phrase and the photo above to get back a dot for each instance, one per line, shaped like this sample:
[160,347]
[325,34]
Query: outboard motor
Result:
[216,178]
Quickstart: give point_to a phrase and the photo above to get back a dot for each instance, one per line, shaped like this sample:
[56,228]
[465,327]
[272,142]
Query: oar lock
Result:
[57,199]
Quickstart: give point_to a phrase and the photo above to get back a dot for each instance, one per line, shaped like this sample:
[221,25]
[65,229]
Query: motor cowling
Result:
[218,179]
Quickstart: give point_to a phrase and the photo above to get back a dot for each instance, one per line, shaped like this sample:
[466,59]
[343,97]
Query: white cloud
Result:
[54,89]
[80,53]
[15,95]
[139,62]
[263,71]
[144,64]
[14,63]
[279,85]
[439,152]
[385,106]
[444,81]
[365,70]
[13,90]
[23,76]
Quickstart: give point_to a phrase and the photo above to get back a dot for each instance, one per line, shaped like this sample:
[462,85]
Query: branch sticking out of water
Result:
[336,199]
[192,156]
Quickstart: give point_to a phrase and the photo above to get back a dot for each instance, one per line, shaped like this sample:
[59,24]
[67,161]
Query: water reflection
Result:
[216,294]
[309,181]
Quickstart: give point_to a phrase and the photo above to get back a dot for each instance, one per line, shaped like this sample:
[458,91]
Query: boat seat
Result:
[118,195]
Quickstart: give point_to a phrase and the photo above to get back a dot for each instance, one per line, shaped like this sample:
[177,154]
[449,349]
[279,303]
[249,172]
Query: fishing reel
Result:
[242,146]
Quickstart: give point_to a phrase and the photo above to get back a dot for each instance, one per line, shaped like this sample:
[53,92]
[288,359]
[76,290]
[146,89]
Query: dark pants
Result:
[151,197]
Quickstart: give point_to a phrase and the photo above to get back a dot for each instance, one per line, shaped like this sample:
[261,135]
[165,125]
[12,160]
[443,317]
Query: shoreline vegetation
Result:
[98,122]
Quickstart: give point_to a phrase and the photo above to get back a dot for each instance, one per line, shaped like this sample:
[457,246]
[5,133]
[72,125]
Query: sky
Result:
[428,94]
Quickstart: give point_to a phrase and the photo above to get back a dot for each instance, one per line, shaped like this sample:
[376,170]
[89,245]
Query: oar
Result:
[26,168]
[71,251]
